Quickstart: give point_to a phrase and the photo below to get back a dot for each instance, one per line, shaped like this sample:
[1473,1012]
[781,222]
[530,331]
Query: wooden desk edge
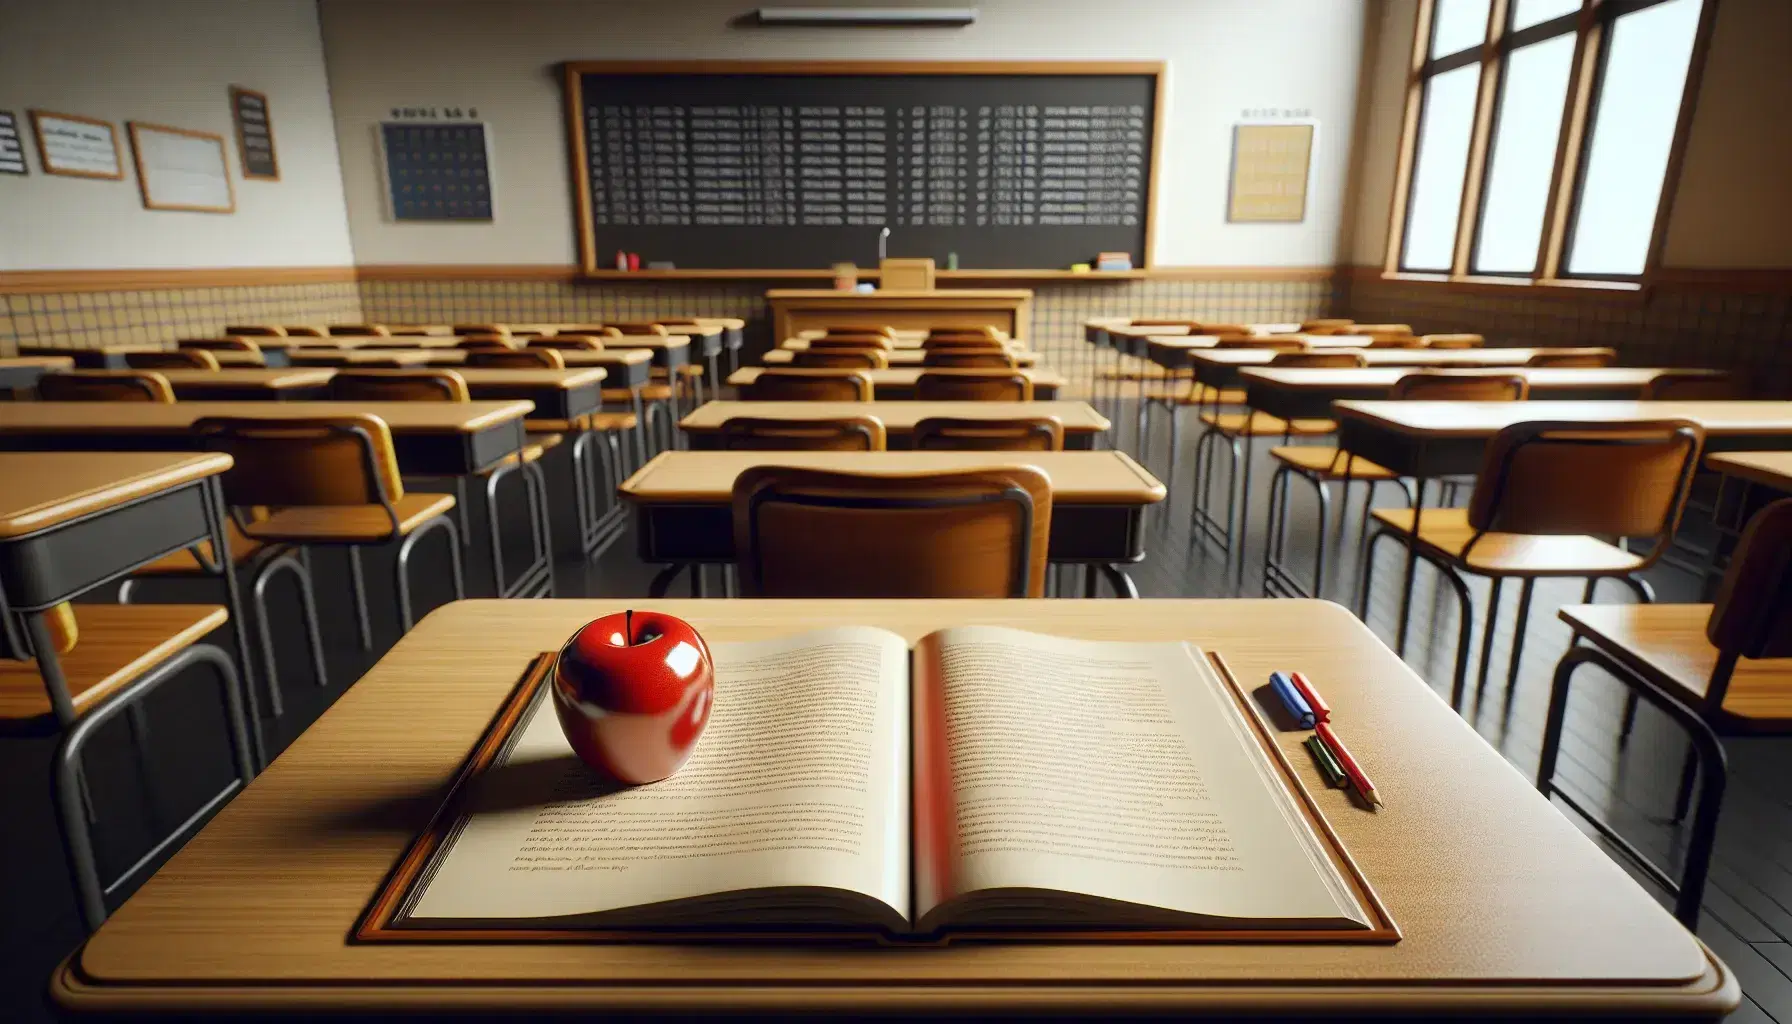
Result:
[1727,464]
[186,469]
[1710,996]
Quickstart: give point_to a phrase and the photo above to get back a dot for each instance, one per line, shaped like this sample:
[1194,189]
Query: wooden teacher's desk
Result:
[899,382]
[1009,310]
[1506,909]
[684,511]
[1081,422]
[1308,393]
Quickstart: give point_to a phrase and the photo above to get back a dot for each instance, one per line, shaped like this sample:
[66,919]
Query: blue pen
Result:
[1292,700]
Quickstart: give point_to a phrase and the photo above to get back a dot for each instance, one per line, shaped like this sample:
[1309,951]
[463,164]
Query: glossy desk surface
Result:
[903,376]
[1505,906]
[1770,469]
[45,489]
[1383,356]
[240,379]
[178,417]
[1484,419]
[899,357]
[1541,378]
[897,417]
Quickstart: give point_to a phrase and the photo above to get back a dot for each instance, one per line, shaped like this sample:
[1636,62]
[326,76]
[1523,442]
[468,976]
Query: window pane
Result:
[1638,102]
[1436,202]
[1524,153]
[1458,25]
[1526,13]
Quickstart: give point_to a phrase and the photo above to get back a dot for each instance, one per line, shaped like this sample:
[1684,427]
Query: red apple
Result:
[633,692]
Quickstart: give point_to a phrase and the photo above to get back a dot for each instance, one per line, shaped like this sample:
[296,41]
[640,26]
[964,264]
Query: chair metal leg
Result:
[1175,445]
[1123,584]
[1519,626]
[1465,630]
[663,580]
[1244,509]
[405,547]
[1412,568]
[460,509]
[314,638]
[1487,631]
[358,583]
[1365,578]
[1646,594]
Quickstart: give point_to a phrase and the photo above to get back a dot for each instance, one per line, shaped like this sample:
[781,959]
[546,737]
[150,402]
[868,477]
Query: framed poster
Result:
[254,134]
[1269,173]
[180,169]
[80,147]
[12,148]
[437,170]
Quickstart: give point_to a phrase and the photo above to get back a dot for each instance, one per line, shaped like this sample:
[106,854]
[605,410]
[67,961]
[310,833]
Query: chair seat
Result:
[119,644]
[349,524]
[649,393]
[1203,394]
[598,421]
[1148,371]
[1262,424]
[684,370]
[1323,461]
[531,452]
[182,562]
[1666,644]
[604,422]
[1445,531]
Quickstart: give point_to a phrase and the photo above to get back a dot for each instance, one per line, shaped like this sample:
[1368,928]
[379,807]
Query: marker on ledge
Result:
[1292,700]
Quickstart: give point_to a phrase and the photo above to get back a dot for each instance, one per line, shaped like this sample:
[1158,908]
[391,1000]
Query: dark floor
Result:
[1748,907]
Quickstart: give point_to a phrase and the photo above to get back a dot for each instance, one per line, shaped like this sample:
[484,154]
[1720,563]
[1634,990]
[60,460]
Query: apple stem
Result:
[628,627]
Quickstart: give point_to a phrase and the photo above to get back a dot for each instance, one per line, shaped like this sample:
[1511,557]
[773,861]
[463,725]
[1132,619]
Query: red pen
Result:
[1348,763]
[1321,712]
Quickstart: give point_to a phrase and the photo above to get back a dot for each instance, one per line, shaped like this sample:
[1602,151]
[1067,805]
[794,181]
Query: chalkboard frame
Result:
[572,72]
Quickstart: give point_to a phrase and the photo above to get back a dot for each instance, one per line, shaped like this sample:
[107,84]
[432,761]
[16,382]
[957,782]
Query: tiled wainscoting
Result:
[86,319]
[1678,323]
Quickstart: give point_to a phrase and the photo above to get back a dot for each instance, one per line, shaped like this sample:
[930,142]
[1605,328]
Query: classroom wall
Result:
[171,62]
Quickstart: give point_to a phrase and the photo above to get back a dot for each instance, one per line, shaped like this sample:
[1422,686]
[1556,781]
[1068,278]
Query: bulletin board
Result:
[437,170]
[1270,163]
[254,134]
[80,147]
[181,169]
[12,148]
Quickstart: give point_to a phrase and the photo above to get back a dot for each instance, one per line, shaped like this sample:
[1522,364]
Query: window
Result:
[1542,136]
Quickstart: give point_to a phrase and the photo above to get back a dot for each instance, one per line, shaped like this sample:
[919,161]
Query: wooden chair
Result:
[1590,357]
[779,385]
[842,358]
[473,342]
[1452,341]
[1546,493]
[1432,386]
[1272,342]
[883,329]
[850,341]
[1327,325]
[963,344]
[437,385]
[227,344]
[174,359]
[1020,433]
[638,327]
[1677,386]
[1392,330]
[978,331]
[970,358]
[306,331]
[1395,341]
[68,677]
[105,386]
[517,358]
[353,330]
[1724,668]
[973,386]
[976,534]
[502,330]
[569,343]
[1317,360]
[838,434]
[329,480]
[255,330]
[1192,325]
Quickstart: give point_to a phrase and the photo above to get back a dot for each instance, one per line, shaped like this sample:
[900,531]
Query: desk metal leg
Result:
[663,581]
[1123,585]
[233,595]
[1412,567]
[640,427]
[1244,508]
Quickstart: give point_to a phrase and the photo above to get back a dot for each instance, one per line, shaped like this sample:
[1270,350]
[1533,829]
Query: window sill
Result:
[1521,286]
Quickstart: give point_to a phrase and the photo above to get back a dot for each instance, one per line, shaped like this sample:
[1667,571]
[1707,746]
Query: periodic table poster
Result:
[437,171]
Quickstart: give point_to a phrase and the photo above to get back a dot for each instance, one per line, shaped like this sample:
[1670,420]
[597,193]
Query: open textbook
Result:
[1007,780]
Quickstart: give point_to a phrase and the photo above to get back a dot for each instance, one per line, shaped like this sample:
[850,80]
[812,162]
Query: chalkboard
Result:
[749,165]
[437,171]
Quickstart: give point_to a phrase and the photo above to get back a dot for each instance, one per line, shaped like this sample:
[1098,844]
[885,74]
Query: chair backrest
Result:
[1328,360]
[172,359]
[322,460]
[1019,433]
[781,385]
[305,331]
[842,358]
[1271,342]
[346,330]
[883,329]
[399,386]
[1155,322]
[638,327]
[1394,341]
[1678,386]
[973,386]
[1224,329]
[839,434]
[1453,340]
[970,358]
[568,343]
[517,358]
[256,330]
[811,533]
[1624,479]
[597,331]
[851,341]
[1326,325]
[1423,386]
[961,342]
[15,643]
[484,341]
[975,331]
[1753,613]
[499,329]
[1572,357]
[1357,328]
[220,344]
[105,386]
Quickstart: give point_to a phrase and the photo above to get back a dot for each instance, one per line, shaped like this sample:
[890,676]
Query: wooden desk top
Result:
[232,359]
[1077,417]
[111,350]
[1211,341]
[1770,469]
[903,342]
[234,378]
[648,341]
[455,357]
[899,356]
[178,417]
[358,356]
[1386,356]
[906,296]
[1484,419]
[1504,905]
[1296,378]
[44,489]
[901,376]
[564,380]
[45,362]
[1083,478]
[1125,325]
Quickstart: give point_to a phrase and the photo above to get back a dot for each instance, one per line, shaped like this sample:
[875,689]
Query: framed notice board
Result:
[1270,163]
[726,165]
[254,134]
[437,170]
[181,169]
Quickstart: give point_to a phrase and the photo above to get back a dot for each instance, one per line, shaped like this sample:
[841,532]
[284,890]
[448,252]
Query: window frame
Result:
[1591,28]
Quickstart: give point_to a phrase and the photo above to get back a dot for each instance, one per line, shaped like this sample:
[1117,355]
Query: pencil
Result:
[1322,711]
[1348,763]
[1328,765]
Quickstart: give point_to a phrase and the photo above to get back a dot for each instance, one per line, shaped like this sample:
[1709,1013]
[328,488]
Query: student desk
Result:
[556,394]
[105,357]
[899,357]
[627,367]
[1769,469]
[669,351]
[1009,310]
[1220,368]
[71,521]
[353,357]
[20,373]
[1100,331]
[1308,393]
[899,383]
[432,438]
[904,341]
[684,512]
[247,385]
[1507,910]
[1081,422]
[236,359]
